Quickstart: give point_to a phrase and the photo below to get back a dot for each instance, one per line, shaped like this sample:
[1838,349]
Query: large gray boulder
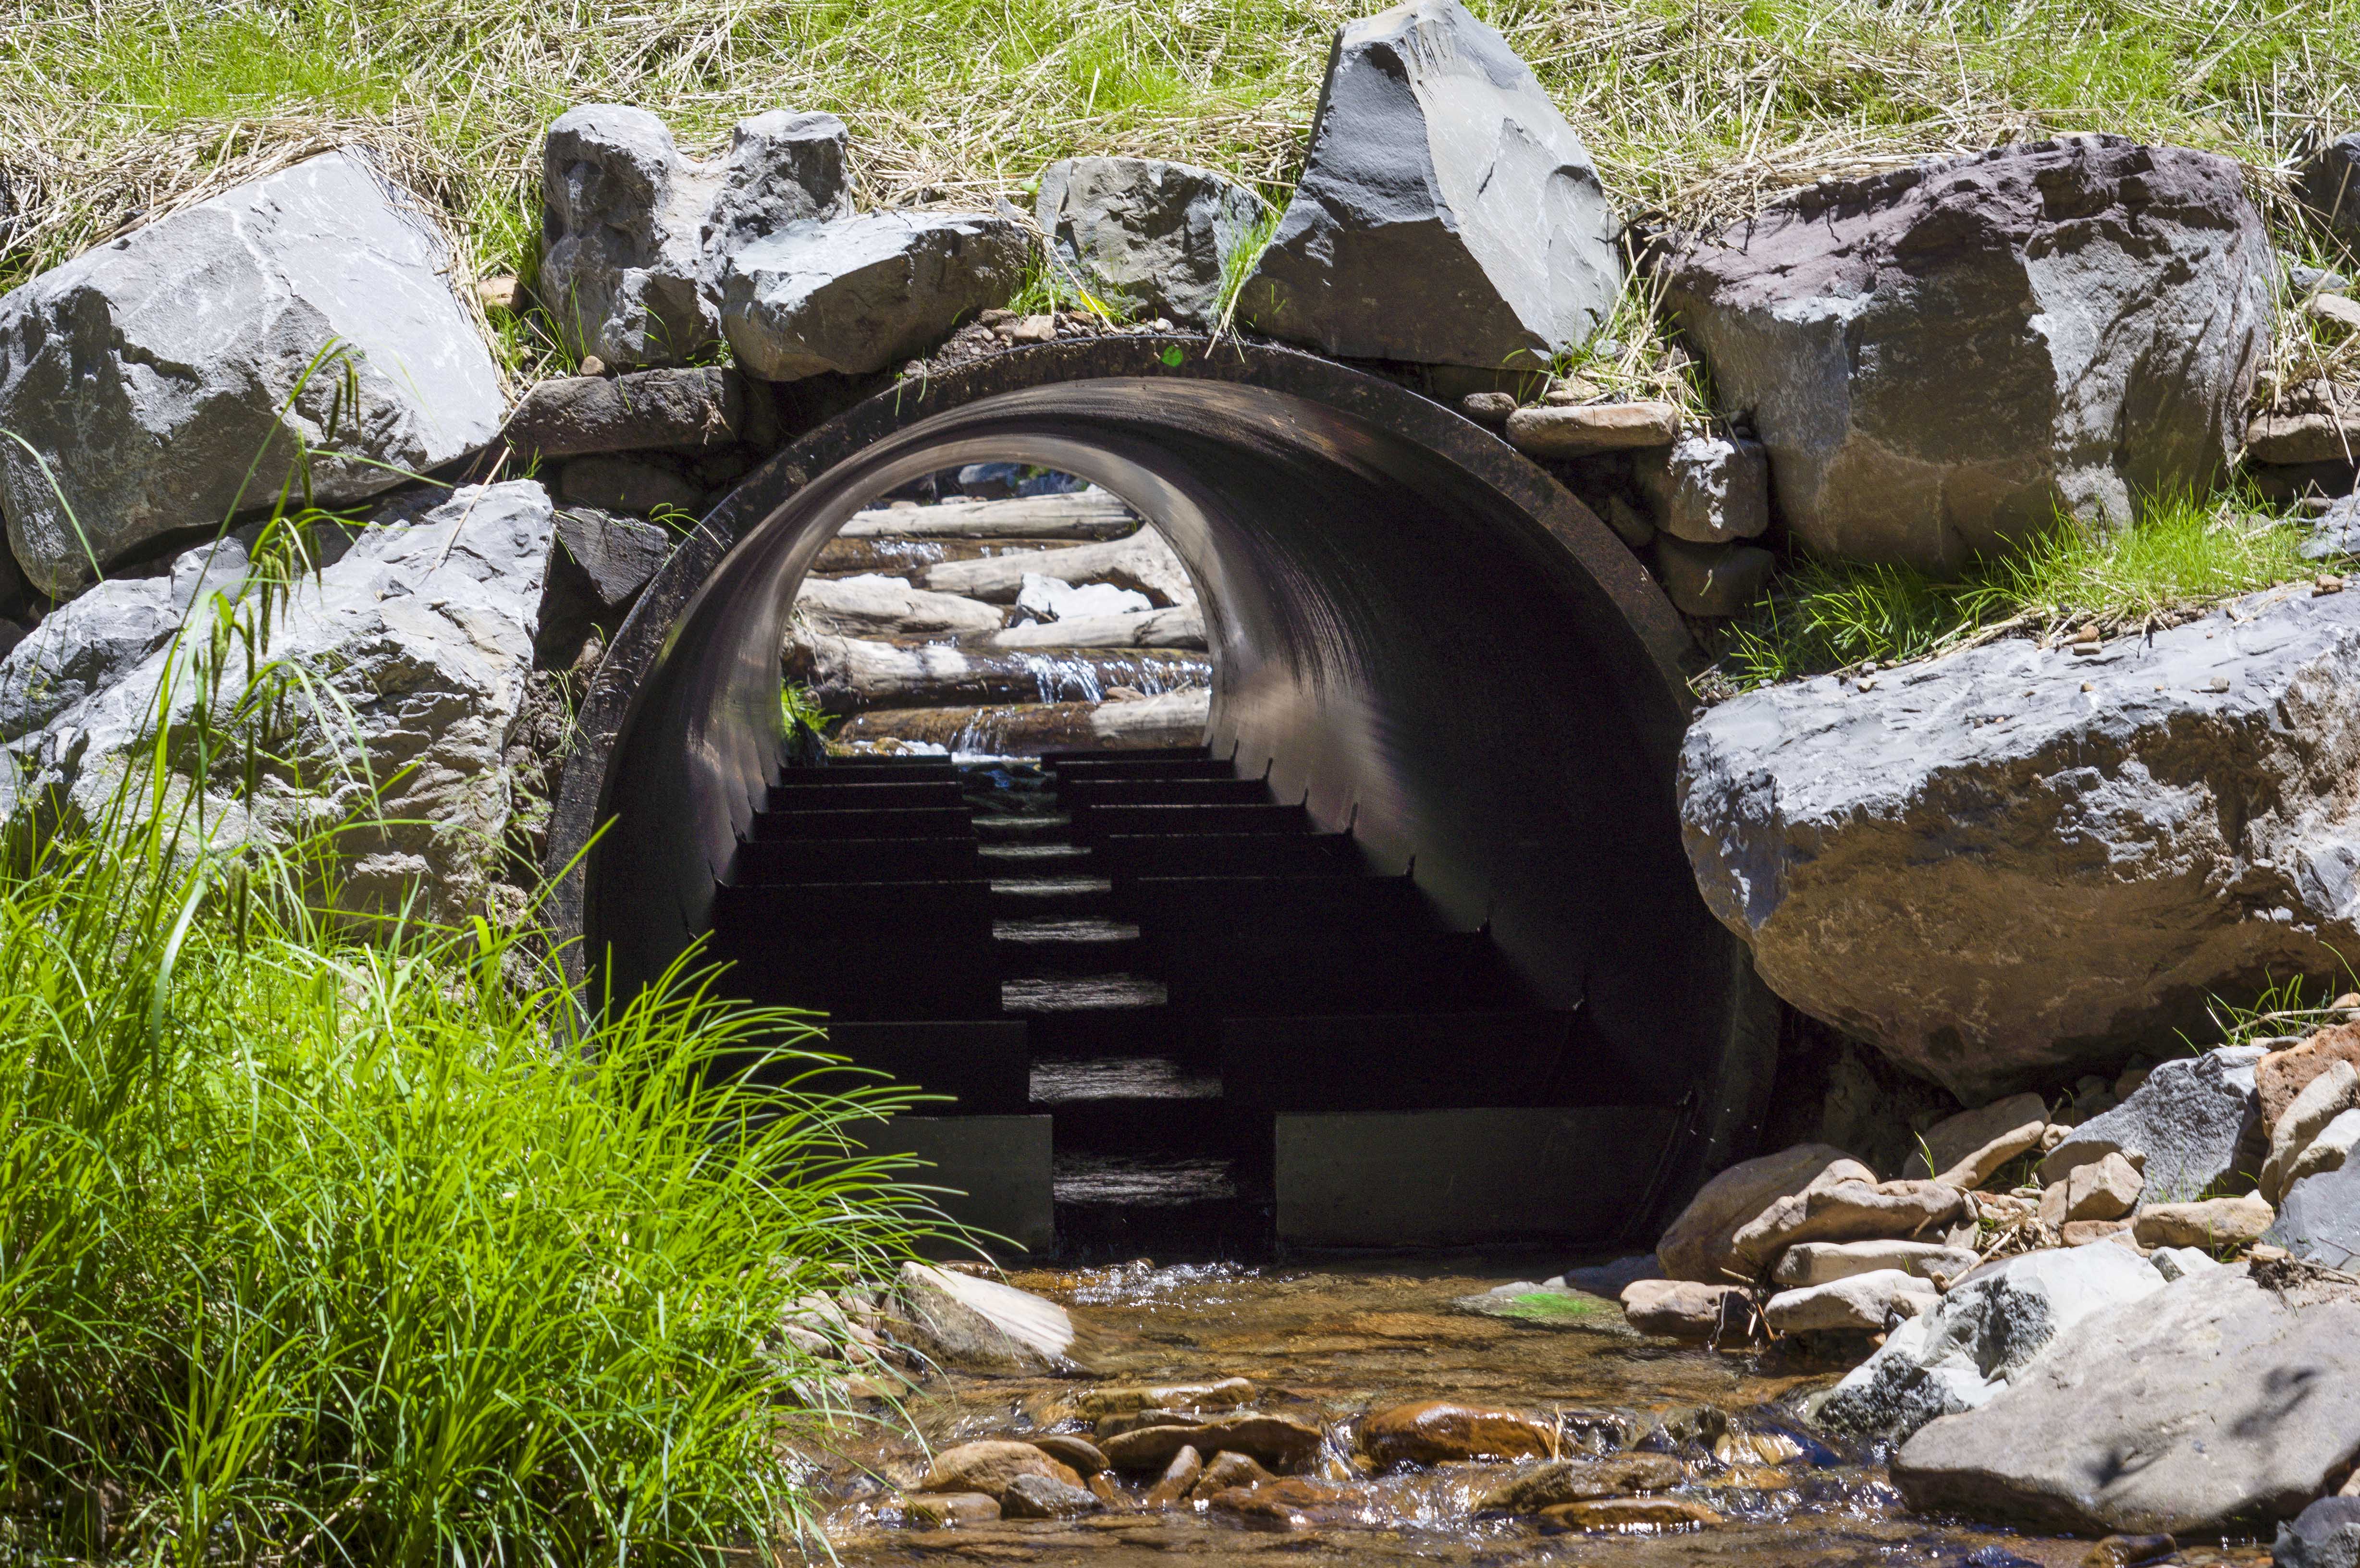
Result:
[1158,235]
[407,659]
[2214,1400]
[2014,864]
[1987,1330]
[2184,1125]
[1939,358]
[2319,1218]
[2330,186]
[633,233]
[1446,215]
[177,375]
[867,293]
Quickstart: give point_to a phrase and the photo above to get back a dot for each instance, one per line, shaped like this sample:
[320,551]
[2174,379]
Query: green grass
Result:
[321,1249]
[112,108]
[1823,616]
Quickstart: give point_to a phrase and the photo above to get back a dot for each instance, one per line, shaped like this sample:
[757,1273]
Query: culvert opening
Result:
[1400,950]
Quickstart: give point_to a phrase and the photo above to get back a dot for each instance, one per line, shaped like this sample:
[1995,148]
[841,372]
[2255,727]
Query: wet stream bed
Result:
[1328,1344]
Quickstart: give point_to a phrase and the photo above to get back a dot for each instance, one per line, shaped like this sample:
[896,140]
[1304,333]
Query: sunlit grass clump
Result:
[319,1250]
[1826,615]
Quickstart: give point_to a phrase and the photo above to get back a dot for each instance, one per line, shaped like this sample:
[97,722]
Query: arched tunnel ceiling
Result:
[1420,633]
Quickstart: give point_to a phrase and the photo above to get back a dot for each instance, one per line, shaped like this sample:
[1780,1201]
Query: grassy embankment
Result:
[337,1243]
[1696,109]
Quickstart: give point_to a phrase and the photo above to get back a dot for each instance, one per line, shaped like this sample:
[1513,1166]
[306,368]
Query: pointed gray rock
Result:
[1155,233]
[1939,358]
[865,293]
[1448,214]
[2330,186]
[169,377]
[2184,1123]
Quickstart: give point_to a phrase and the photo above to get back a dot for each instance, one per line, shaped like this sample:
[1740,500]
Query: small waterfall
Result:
[1075,678]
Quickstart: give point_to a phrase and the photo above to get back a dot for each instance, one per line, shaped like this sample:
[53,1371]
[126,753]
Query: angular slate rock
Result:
[2002,879]
[1155,233]
[85,646]
[634,234]
[577,415]
[1446,215]
[155,372]
[2214,1400]
[1937,357]
[865,293]
[2187,1120]
[617,554]
[2319,1218]
[2325,1535]
[2330,186]
[1707,489]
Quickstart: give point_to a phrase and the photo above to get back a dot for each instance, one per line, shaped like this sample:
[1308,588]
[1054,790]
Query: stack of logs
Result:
[910,624]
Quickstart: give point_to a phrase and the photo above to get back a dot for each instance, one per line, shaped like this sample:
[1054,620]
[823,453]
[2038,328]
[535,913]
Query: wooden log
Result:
[1144,562]
[907,558]
[852,673]
[1027,729]
[1182,626]
[886,606]
[1092,514]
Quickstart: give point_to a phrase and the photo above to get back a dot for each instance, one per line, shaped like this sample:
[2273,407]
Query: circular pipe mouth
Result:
[1420,635]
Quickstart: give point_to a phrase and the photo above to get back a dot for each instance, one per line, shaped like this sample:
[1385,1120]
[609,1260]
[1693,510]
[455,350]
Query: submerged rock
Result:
[2214,1400]
[175,376]
[1436,1429]
[1570,1481]
[2001,878]
[1278,1442]
[990,1467]
[2113,299]
[1446,214]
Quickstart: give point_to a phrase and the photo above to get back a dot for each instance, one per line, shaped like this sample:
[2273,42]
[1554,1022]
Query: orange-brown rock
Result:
[2282,1074]
[1229,1470]
[988,1466]
[1277,1441]
[1570,1481]
[1295,1502]
[1436,1429]
[946,1510]
[1179,1478]
[1079,1453]
[1628,1514]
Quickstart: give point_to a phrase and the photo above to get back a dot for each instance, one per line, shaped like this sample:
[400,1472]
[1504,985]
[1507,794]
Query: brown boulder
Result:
[1701,1244]
[1229,1470]
[988,1466]
[944,1511]
[1434,1431]
[1685,1309]
[2282,1074]
[1179,1478]
[1276,1441]
[1079,1453]
[1297,1502]
[1849,1210]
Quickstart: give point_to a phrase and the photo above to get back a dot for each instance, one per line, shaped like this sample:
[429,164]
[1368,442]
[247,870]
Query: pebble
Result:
[1433,1430]
[1078,1453]
[1276,1441]
[1229,1470]
[1121,1398]
[988,1466]
[1046,1497]
[942,1510]
[1178,1480]
[1627,1514]
[1566,1481]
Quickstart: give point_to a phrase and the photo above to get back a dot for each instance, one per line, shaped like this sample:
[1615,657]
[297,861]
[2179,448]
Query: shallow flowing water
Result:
[1332,1343]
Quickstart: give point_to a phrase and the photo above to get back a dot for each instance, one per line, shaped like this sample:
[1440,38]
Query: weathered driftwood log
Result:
[1181,626]
[852,673]
[886,606]
[1177,718]
[1084,515]
[1143,561]
[908,557]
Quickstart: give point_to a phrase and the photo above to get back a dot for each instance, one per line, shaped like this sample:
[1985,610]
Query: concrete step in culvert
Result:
[1262,817]
[1051,896]
[943,794]
[1227,854]
[1088,793]
[778,863]
[1053,947]
[1132,767]
[832,822]
[1128,1104]
[1230,906]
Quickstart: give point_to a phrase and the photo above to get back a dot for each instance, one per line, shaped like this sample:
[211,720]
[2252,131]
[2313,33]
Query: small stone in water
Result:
[1046,1497]
[990,1467]
[1083,1455]
[1117,1399]
[1131,1420]
[1627,1514]
[1178,1480]
[2130,1550]
[1436,1429]
[946,1510]
[1229,1470]
[1295,1502]
[1564,1481]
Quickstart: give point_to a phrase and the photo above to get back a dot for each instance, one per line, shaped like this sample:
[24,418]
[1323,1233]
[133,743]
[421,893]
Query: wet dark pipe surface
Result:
[1419,633]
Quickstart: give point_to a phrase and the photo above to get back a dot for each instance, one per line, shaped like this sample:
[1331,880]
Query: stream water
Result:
[1333,1343]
